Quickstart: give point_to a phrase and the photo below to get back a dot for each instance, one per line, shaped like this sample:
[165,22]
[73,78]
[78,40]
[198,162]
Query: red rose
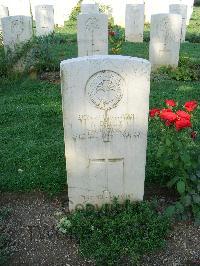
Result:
[167,115]
[193,135]
[171,103]
[111,33]
[190,106]
[166,110]
[168,124]
[183,114]
[154,112]
[182,123]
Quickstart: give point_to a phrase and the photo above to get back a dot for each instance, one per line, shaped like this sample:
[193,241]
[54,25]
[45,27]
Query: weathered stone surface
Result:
[44,19]
[181,10]
[3,13]
[165,35]
[16,31]
[92,34]
[105,112]
[134,23]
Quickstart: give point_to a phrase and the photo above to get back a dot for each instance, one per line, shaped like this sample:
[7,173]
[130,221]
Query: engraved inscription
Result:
[17,27]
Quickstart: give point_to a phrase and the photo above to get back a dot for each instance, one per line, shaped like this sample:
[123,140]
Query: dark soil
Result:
[34,239]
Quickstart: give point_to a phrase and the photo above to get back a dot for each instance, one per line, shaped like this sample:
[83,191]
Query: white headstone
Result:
[105,109]
[165,35]
[189,4]
[181,10]
[44,19]
[3,13]
[16,31]
[92,33]
[134,23]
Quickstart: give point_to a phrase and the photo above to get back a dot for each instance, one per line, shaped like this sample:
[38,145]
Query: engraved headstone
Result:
[92,32]
[165,35]
[181,10]
[134,23]
[44,19]
[105,110]
[3,13]
[16,30]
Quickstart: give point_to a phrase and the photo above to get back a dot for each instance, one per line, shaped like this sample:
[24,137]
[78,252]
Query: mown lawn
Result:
[31,132]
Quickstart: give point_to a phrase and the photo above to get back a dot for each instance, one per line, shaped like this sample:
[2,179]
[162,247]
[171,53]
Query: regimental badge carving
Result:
[105,89]
[92,24]
[17,27]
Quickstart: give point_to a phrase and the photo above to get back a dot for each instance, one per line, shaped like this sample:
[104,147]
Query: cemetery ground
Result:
[32,163]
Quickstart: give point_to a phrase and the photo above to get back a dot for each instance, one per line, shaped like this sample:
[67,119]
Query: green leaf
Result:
[187,200]
[170,211]
[181,187]
[179,207]
[172,181]
[168,142]
[196,199]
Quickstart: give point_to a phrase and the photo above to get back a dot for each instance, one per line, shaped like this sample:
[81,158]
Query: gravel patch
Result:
[35,240]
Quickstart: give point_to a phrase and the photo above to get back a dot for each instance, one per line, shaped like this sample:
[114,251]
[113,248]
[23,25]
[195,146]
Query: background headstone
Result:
[134,27]
[44,19]
[181,10]
[16,31]
[3,13]
[92,32]
[165,35]
[105,109]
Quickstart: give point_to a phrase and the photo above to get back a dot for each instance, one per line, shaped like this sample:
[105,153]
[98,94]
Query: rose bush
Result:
[178,151]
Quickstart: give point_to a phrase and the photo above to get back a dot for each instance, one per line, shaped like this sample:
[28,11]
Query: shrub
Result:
[117,232]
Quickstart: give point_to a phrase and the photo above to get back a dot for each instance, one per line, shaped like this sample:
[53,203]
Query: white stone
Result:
[3,13]
[16,30]
[189,4]
[89,7]
[165,35]
[134,23]
[92,34]
[181,10]
[105,112]
[44,19]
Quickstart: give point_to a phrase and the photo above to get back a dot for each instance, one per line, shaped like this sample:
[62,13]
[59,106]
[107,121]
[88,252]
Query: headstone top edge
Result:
[44,5]
[105,57]
[15,17]
[165,15]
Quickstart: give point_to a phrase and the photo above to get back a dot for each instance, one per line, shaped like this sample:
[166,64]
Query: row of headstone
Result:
[152,7]
[17,30]
[134,24]
[166,33]
[105,116]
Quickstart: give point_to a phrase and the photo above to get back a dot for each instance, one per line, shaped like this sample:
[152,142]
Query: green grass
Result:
[31,139]
[31,132]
